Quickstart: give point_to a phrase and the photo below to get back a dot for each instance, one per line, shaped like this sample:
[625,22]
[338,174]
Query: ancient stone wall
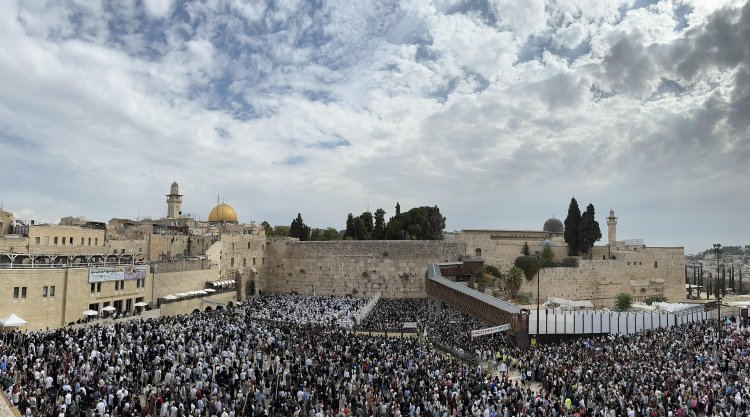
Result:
[651,271]
[359,268]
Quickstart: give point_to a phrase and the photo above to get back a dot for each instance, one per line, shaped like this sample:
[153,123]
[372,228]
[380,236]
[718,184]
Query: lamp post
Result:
[538,268]
[717,249]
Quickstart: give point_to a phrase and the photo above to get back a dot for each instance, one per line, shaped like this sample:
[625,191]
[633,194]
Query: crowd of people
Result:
[303,309]
[227,363]
[390,314]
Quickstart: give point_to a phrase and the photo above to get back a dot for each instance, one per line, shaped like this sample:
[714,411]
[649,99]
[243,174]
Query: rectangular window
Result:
[656,264]
[244,261]
[96,241]
[232,261]
[55,240]
[89,241]
[44,291]
[81,241]
[52,291]
[23,292]
[93,287]
[71,240]
[46,240]
[15,293]
[62,240]
[98,287]
[253,261]
[37,240]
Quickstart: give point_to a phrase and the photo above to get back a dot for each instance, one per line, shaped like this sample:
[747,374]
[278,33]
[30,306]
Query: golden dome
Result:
[223,213]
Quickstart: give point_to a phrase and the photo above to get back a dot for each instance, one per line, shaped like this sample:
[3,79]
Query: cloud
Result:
[497,111]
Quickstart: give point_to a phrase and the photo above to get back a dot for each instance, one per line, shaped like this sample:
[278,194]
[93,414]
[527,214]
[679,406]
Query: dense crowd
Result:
[390,314]
[228,363]
[302,309]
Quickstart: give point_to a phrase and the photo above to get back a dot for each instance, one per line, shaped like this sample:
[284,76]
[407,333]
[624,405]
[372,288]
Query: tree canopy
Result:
[419,223]
[299,229]
[588,230]
[572,223]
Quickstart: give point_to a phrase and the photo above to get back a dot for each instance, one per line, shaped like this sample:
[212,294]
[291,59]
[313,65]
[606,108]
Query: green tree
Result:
[349,233]
[513,281]
[420,223]
[525,250]
[367,226]
[527,264]
[267,228]
[299,229]
[623,301]
[548,256]
[398,208]
[280,231]
[572,223]
[330,234]
[588,230]
[378,231]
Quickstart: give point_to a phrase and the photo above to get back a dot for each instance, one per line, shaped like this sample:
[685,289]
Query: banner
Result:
[490,330]
[117,273]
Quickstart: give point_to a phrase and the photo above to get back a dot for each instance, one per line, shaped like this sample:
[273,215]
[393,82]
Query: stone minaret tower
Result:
[174,201]
[612,228]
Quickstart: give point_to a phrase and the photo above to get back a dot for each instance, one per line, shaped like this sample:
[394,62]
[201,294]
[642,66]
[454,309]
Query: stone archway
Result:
[208,308]
[219,308]
[250,288]
[230,305]
[196,311]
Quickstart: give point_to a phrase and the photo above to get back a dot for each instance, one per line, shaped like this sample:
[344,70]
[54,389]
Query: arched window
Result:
[478,251]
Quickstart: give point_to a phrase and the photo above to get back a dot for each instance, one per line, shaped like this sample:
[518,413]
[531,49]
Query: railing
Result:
[7,265]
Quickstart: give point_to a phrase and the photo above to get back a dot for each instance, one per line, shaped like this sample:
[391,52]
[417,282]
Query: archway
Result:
[230,305]
[196,311]
[219,308]
[208,308]
[250,286]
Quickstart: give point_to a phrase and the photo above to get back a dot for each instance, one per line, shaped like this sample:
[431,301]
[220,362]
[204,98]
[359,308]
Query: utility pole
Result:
[717,249]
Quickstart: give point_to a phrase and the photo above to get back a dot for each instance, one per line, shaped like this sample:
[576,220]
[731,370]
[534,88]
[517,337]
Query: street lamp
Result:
[717,249]
[538,268]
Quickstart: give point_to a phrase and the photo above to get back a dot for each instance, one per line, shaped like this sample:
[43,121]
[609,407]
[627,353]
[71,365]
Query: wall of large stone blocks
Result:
[601,280]
[241,253]
[128,247]
[359,268]
[503,252]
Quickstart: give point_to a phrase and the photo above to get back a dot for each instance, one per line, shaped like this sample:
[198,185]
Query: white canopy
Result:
[181,294]
[109,308]
[12,321]
[140,304]
[90,313]
[170,297]
[209,290]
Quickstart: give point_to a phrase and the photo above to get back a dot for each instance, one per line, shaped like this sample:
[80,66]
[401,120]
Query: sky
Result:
[496,111]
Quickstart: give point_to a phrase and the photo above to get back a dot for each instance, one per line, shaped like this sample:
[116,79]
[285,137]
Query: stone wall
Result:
[503,252]
[359,268]
[601,280]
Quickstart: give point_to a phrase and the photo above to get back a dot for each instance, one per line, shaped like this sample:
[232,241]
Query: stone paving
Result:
[6,410]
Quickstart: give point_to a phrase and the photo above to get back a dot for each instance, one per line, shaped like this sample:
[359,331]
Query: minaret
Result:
[612,228]
[174,201]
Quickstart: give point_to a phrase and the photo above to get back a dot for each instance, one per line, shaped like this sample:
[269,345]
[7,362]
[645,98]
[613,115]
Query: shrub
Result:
[528,265]
[523,298]
[655,299]
[569,262]
[623,301]
[470,285]
[492,270]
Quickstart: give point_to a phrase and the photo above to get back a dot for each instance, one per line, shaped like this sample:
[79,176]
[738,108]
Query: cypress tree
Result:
[572,223]
[588,231]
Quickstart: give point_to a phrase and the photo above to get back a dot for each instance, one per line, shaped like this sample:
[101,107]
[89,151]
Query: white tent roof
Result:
[12,321]
[170,297]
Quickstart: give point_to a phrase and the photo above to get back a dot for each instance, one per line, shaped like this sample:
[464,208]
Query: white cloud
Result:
[157,8]
[288,107]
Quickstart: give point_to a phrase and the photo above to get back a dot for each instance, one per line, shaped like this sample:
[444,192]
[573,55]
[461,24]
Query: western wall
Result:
[360,268]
